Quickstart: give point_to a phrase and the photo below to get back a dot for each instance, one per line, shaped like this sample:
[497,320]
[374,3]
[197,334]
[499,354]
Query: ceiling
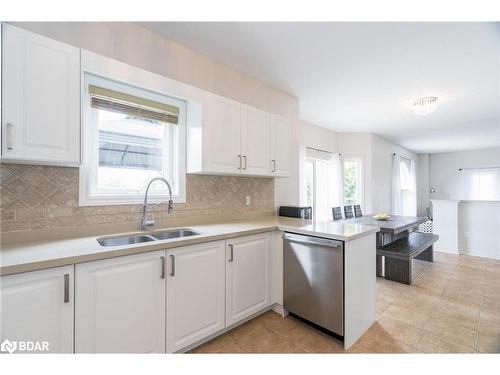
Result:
[364,77]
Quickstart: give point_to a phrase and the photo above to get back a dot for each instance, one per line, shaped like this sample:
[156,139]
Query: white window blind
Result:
[481,184]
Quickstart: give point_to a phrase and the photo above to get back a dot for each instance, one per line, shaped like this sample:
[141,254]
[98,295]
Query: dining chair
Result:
[348,212]
[357,211]
[337,213]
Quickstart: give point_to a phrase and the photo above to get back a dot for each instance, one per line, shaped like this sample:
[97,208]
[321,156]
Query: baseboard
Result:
[483,254]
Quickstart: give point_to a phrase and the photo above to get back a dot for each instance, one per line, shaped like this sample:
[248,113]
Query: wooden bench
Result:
[399,254]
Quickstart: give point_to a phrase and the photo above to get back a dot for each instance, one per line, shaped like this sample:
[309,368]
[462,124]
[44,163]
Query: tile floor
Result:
[453,306]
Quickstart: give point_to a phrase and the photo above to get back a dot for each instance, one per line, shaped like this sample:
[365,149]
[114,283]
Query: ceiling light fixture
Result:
[424,106]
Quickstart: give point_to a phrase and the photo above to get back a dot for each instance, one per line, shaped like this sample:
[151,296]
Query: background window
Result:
[353,181]
[481,184]
[132,136]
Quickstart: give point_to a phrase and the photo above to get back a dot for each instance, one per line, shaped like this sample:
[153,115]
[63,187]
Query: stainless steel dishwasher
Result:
[313,280]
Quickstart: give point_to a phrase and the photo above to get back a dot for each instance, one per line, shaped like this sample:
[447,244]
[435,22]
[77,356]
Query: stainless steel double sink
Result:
[140,238]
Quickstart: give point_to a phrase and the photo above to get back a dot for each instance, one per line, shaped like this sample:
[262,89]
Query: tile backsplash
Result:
[41,197]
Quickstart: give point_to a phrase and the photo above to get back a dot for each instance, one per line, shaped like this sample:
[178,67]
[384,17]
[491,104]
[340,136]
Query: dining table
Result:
[391,229]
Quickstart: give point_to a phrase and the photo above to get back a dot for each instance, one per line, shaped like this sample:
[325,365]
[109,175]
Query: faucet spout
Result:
[145,222]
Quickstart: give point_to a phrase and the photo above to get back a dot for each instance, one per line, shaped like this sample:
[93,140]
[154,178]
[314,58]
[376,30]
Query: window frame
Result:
[360,160]
[88,196]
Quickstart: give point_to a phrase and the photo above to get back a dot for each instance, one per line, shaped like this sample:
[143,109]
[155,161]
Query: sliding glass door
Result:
[323,183]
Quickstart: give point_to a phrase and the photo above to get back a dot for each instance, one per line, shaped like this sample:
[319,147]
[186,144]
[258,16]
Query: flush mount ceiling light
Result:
[424,106]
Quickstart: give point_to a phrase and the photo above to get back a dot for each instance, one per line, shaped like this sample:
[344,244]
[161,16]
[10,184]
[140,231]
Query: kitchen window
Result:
[131,135]
[353,181]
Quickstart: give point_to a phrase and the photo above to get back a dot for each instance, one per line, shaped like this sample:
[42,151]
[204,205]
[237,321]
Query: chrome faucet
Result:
[145,222]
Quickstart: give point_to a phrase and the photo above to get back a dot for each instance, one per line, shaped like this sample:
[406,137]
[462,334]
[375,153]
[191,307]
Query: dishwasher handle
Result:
[311,240]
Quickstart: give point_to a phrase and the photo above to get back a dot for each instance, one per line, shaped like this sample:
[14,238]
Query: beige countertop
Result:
[36,255]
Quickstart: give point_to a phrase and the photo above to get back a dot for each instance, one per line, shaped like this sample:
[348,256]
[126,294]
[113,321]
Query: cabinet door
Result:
[255,141]
[221,128]
[248,276]
[195,293]
[120,305]
[38,306]
[280,146]
[41,99]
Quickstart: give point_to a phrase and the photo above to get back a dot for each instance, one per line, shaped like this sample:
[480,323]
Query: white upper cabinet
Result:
[120,305]
[235,139]
[195,293]
[248,276]
[41,99]
[38,306]
[255,143]
[221,129]
[280,146]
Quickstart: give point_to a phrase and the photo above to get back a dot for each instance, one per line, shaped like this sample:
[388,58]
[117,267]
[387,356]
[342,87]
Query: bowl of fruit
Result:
[383,216]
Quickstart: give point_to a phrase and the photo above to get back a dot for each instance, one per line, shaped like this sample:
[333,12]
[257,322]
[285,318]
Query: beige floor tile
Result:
[488,343]
[287,328]
[430,343]
[376,340]
[461,294]
[435,285]
[318,342]
[488,327]
[407,315]
[259,339]
[399,331]
[222,344]
[490,314]
[456,318]
[463,307]
[416,303]
[380,307]
[451,332]
[491,290]
[492,303]
[465,285]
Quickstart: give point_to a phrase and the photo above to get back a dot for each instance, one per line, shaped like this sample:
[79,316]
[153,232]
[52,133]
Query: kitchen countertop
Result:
[31,256]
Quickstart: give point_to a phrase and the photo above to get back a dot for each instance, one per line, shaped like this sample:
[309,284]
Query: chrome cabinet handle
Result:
[8,134]
[274,165]
[240,161]
[231,253]
[66,288]
[245,158]
[162,260]
[172,260]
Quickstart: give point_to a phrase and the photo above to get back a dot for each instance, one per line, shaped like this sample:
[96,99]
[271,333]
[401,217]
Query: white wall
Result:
[382,157]
[423,184]
[445,174]
[478,229]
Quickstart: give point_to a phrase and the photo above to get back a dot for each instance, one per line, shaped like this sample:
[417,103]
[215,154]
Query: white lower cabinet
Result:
[248,276]
[195,293]
[120,304]
[38,307]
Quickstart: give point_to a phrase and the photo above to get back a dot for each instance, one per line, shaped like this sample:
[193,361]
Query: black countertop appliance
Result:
[296,211]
